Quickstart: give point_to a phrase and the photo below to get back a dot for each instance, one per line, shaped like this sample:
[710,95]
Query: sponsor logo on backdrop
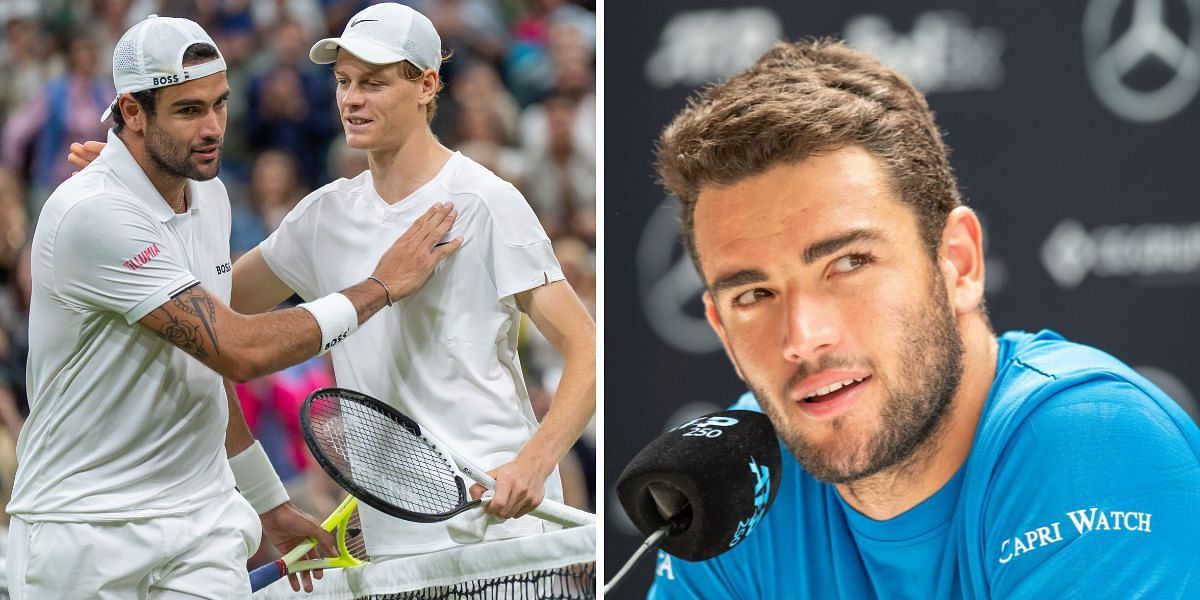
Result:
[944,52]
[1150,254]
[689,54]
[670,289]
[1146,69]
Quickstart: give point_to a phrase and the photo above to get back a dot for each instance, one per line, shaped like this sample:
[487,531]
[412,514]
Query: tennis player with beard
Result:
[123,488]
[933,458]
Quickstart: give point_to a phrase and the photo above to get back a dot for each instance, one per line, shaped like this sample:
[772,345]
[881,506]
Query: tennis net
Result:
[549,566]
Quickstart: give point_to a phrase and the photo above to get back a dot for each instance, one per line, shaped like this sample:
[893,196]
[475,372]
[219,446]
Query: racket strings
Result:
[355,544]
[384,457]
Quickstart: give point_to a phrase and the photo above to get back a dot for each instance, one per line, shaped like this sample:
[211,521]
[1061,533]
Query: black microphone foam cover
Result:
[720,472]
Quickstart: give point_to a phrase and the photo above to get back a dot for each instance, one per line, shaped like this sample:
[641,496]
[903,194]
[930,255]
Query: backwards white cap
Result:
[384,34]
[150,55]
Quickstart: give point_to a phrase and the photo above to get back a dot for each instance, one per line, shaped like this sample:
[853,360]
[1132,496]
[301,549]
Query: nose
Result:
[350,96]
[812,328]
[212,126]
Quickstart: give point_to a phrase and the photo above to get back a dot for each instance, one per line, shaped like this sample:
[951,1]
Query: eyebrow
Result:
[817,250]
[814,252]
[185,102]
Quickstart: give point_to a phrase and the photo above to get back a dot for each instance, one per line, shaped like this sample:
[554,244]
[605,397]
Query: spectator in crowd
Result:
[472,28]
[530,59]
[480,138]
[290,103]
[23,67]
[562,189]
[40,133]
[275,188]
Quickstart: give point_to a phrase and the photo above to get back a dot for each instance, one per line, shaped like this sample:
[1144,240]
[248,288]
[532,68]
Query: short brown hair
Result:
[412,72]
[804,99]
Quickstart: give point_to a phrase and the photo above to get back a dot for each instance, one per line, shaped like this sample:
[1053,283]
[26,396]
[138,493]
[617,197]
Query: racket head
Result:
[380,456]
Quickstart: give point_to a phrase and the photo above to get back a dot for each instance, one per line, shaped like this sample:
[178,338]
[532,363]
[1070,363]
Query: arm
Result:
[242,347]
[256,288]
[1095,495]
[558,315]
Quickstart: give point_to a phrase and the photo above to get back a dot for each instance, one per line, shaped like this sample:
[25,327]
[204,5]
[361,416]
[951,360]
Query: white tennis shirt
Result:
[447,355]
[122,423]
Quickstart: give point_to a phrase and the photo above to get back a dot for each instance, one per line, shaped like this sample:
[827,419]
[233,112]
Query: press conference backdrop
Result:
[1074,128]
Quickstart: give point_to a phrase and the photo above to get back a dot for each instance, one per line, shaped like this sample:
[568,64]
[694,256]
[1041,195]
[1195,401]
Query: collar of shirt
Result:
[131,174]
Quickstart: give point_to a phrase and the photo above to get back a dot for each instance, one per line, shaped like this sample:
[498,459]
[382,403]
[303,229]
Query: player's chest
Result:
[204,249]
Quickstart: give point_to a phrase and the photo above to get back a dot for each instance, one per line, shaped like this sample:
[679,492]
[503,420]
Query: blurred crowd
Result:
[519,99]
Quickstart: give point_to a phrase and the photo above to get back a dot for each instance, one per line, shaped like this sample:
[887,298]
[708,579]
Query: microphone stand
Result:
[676,523]
[651,542]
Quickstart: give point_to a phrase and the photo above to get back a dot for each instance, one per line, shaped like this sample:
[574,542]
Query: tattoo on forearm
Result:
[189,335]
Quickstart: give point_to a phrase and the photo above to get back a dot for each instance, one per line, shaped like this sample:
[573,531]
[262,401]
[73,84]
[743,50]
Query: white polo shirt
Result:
[447,355]
[122,423]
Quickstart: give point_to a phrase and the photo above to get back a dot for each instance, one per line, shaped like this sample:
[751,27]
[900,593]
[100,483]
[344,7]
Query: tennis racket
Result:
[351,549]
[388,461]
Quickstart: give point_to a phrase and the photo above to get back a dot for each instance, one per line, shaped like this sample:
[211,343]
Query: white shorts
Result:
[201,555]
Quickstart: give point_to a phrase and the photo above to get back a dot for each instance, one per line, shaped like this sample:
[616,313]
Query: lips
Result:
[830,393]
[207,152]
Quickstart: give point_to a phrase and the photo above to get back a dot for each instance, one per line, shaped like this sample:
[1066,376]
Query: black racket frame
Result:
[354,489]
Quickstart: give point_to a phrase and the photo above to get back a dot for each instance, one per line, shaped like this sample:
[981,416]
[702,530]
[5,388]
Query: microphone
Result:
[702,486]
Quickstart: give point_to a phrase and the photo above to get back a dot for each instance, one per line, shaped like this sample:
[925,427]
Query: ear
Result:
[429,87]
[714,320]
[961,260]
[135,117]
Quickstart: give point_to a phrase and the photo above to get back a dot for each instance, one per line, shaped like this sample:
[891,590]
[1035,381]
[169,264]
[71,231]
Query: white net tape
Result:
[559,564]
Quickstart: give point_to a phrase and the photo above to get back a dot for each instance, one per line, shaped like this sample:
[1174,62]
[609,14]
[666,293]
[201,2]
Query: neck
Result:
[400,170]
[171,187]
[898,489]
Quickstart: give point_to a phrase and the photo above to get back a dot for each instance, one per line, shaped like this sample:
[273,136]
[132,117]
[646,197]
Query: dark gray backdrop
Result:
[1072,124]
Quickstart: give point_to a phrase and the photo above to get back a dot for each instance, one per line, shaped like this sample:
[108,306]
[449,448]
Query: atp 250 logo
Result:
[709,427]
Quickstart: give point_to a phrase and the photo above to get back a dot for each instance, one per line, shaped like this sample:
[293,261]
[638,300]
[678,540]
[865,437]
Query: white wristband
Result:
[257,480]
[336,316]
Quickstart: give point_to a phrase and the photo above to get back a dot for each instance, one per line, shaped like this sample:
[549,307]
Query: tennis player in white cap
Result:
[446,355]
[123,488]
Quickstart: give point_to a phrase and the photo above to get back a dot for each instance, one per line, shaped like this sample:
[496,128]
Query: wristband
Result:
[256,479]
[336,316]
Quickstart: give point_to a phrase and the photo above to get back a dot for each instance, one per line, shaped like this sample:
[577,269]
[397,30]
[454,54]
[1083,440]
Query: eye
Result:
[750,297]
[852,262]
[341,81]
[222,102]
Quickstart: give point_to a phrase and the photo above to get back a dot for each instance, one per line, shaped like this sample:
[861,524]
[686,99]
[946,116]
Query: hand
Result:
[286,527]
[520,488]
[83,154]
[411,259]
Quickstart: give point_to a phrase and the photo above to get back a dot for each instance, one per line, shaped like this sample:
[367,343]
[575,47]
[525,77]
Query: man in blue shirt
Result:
[929,458]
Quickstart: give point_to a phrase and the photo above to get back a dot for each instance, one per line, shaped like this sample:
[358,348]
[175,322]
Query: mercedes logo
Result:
[1113,57]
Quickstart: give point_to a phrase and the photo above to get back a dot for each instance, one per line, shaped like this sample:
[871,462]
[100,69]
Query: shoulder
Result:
[1087,422]
[1051,383]
[474,181]
[332,192]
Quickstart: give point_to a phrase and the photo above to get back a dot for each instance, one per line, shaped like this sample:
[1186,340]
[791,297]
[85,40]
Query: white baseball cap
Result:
[150,55]
[384,34]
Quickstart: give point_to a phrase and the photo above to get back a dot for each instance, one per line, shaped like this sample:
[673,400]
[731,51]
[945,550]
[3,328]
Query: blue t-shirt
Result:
[1083,481]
